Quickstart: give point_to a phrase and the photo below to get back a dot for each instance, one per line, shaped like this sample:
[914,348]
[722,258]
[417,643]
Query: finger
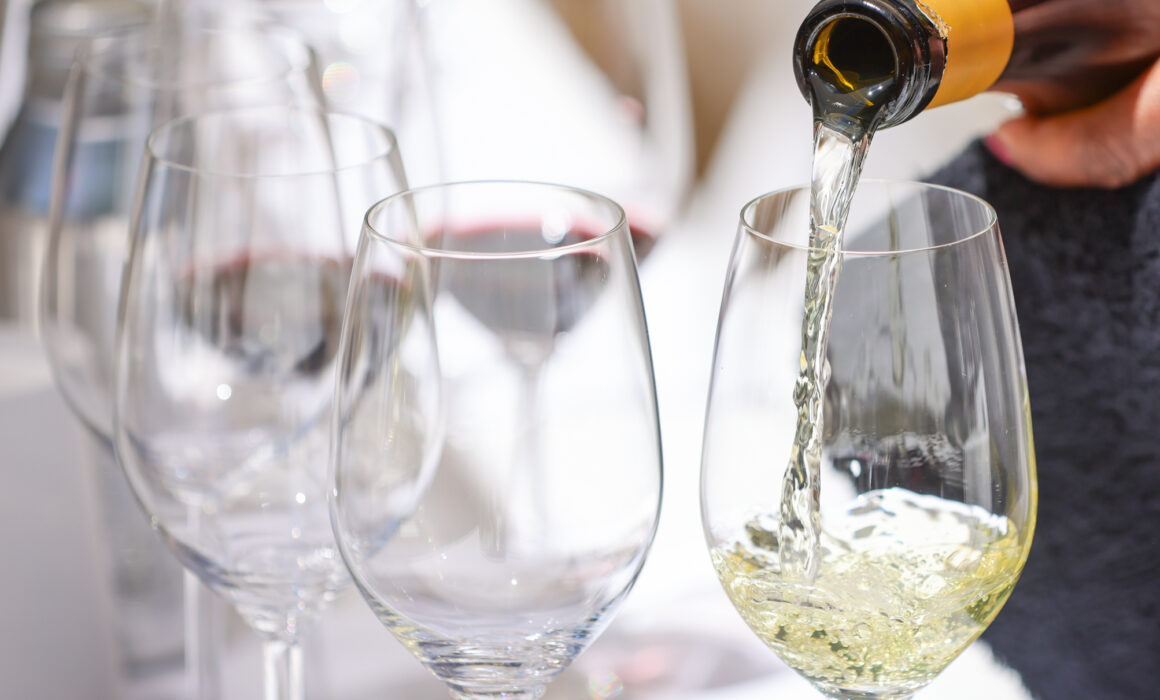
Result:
[1108,145]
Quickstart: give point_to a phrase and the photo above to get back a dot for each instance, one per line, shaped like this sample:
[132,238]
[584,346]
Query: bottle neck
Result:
[878,63]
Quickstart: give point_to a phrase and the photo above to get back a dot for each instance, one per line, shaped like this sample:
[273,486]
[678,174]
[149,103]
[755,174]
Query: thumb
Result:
[1110,144]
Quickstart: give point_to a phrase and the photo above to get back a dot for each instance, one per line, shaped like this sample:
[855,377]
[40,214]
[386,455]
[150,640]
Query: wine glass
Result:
[224,368]
[492,524]
[927,487]
[593,93]
[372,62]
[122,84]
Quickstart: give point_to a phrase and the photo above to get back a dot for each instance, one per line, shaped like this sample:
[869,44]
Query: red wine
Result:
[534,298]
[276,313]
[643,241]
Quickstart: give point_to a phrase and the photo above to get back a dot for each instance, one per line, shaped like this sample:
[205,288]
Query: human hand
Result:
[1110,144]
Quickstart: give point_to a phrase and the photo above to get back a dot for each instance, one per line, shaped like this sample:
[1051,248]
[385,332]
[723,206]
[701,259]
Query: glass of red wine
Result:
[122,85]
[592,93]
[226,350]
[496,464]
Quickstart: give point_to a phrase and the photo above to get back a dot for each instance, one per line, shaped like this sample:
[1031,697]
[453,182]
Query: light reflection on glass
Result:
[604,685]
[340,81]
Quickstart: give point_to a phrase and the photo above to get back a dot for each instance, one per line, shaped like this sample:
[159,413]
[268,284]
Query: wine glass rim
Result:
[390,143]
[620,224]
[992,218]
[114,41]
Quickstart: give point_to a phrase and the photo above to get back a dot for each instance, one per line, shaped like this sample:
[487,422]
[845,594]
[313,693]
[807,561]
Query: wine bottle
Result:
[895,58]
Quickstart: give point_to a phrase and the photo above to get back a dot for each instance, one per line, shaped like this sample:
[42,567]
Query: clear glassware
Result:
[927,488]
[122,84]
[492,520]
[592,93]
[226,350]
[372,62]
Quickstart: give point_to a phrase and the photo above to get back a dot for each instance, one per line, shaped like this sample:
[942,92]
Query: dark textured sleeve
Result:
[1083,622]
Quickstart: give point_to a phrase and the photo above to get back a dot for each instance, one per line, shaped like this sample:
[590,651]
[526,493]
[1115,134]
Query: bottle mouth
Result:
[869,60]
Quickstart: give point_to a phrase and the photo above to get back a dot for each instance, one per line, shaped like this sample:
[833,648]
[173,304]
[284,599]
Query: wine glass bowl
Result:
[496,476]
[122,85]
[927,498]
[227,345]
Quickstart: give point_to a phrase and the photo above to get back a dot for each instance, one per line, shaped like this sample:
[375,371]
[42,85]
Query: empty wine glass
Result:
[592,93]
[227,341]
[495,525]
[123,84]
[928,491]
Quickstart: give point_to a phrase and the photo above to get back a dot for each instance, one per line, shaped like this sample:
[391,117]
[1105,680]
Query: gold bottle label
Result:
[980,35]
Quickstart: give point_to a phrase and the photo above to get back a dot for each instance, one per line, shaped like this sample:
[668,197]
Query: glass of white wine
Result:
[926,494]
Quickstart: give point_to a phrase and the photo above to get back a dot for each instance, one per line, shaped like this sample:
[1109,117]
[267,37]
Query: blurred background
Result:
[732,126]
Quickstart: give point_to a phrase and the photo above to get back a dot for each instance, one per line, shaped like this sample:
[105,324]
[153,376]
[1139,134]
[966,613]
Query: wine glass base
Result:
[846,696]
[884,695]
[492,694]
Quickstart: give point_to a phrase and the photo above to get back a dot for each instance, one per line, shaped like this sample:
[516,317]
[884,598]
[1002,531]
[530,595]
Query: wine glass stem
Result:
[283,670]
[528,488]
[532,451]
[203,637]
[204,631]
[527,483]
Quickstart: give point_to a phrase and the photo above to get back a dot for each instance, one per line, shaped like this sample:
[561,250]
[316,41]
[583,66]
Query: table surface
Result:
[676,637]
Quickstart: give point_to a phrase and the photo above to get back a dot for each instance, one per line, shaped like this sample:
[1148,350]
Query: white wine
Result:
[885,595]
[837,166]
[904,583]
[848,106]
[840,146]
